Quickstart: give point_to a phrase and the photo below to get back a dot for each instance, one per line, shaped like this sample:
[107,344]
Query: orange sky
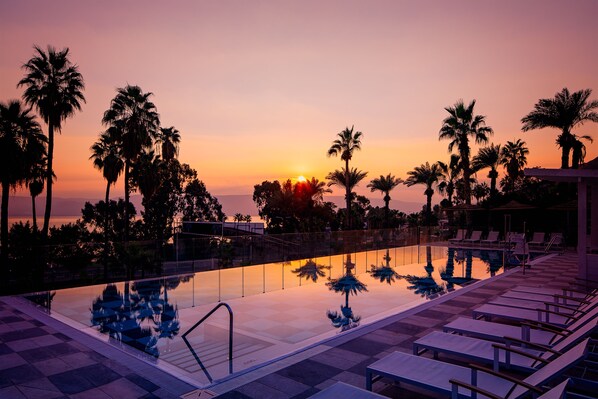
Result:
[258,89]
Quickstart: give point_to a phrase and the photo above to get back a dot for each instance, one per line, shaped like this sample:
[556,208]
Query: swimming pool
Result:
[278,308]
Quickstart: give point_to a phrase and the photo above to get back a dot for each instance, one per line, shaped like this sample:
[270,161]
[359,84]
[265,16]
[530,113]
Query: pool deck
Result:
[43,358]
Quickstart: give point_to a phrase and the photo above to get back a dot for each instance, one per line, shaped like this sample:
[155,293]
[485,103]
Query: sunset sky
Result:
[259,89]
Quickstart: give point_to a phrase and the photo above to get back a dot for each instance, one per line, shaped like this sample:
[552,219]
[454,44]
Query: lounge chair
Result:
[555,291]
[492,238]
[538,238]
[459,236]
[556,240]
[527,357]
[345,391]
[476,236]
[556,303]
[488,311]
[557,298]
[534,331]
[449,379]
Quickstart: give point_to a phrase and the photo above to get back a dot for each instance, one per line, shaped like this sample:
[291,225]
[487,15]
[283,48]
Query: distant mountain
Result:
[231,204]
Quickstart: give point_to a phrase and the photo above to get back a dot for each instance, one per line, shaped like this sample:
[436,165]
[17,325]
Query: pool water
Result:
[278,308]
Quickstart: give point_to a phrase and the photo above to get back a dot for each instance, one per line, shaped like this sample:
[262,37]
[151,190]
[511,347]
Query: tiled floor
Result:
[41,358]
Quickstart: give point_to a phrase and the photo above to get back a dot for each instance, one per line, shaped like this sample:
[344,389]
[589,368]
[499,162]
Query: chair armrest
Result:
[541,325]
[507,377]
[519,352]
[558,305]
[531,344]
[567,315]
[474,388]
[571,298]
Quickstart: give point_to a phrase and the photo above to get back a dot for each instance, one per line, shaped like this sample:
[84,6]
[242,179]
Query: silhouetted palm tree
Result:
[22,145]
[35,183]
[565,112]
[168,139]
[514,158]
[458,127]
[135,120]
[488,157]
[316,189]
[347,142]
[54,86]
[107,158]
[451,172]
[384,273]
[578,150]
[428,175]
[311,270]
[348,180]
[347,284]
[385,184]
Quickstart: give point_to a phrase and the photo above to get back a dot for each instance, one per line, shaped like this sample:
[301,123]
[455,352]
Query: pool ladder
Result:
[230,339]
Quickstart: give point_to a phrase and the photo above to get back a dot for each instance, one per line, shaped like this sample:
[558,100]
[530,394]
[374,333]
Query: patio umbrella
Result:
[513,206]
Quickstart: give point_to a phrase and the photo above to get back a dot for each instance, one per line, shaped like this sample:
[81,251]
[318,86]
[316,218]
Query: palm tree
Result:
[451,172]
[349,180]
[385,184]
[480,191]
[169,138]
[458,127]
[35,182]
[488,157]
[107,158]
[428,175]
[21,144]
[346,143]
[514,158]
[54,87]
[316,190]
[579,150]
[565,112]
[134,118]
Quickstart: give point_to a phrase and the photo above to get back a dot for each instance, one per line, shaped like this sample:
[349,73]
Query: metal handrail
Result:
[230,339]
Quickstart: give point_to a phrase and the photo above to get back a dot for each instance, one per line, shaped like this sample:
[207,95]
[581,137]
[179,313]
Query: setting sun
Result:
[301,179]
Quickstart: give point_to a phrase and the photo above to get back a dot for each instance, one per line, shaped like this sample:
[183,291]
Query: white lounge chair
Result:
[450,379]
[558,298]
[489,311]
[459,236]
[534,331]
[558,305]
[556,291]
[538,238]
[476,236]
[492,238]
[527,357]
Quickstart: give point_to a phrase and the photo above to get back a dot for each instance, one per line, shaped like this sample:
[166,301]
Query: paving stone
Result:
[52,366]
[364,346]
[123,388]
[283,384]
[21,374]
[309,372]
[11,392]
[98,374]
[36,393]
[70,382]
[11,360]
[142,382]
[94,393]
[257,390]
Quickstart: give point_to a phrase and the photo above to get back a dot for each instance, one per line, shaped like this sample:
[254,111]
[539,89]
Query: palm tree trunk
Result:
[127,171]
[386,209]
[467,185]
[429,209]
[106,226]
[565,156]
[347,195]
[48,210]
[4,228]
[33,213]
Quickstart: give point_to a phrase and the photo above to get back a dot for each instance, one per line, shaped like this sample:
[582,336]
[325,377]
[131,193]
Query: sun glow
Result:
[301,179]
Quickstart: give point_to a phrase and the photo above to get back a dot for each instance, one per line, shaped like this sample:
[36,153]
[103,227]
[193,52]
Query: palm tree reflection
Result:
[425,286]
[384,273]
[140,316]
[463,258]
[311,271]
[347,284]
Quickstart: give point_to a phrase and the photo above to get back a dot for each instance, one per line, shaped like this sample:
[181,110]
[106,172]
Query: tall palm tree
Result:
[106,156]
[564,112]
[134,117]
[385,184]
[578,153]
[428,175]
[461,124]
[488,157]
[346,143]
[168,139]
[54,86]
[348,180]
[35,182]
[514,158]
[452,172]
[21,143]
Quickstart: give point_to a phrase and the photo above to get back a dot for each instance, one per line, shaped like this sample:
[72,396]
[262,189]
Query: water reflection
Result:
[385,273]
[425,286]
[311,271]
[347,284]
[141,315]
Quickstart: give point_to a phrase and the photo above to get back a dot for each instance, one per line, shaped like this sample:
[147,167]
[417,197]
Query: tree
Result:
[346,143]
[579,150]
[385,184]
[135,121]
[458,127]
[35,182]
[489,157]
[514,158]
[22,145]
[169,138]
[565,112]
[198,203]
[348,179]
[452,172]
[480,191]
[54,86]
[428,175]
[107,158]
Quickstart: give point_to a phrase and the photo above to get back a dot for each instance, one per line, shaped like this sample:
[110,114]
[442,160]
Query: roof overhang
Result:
[563,175]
